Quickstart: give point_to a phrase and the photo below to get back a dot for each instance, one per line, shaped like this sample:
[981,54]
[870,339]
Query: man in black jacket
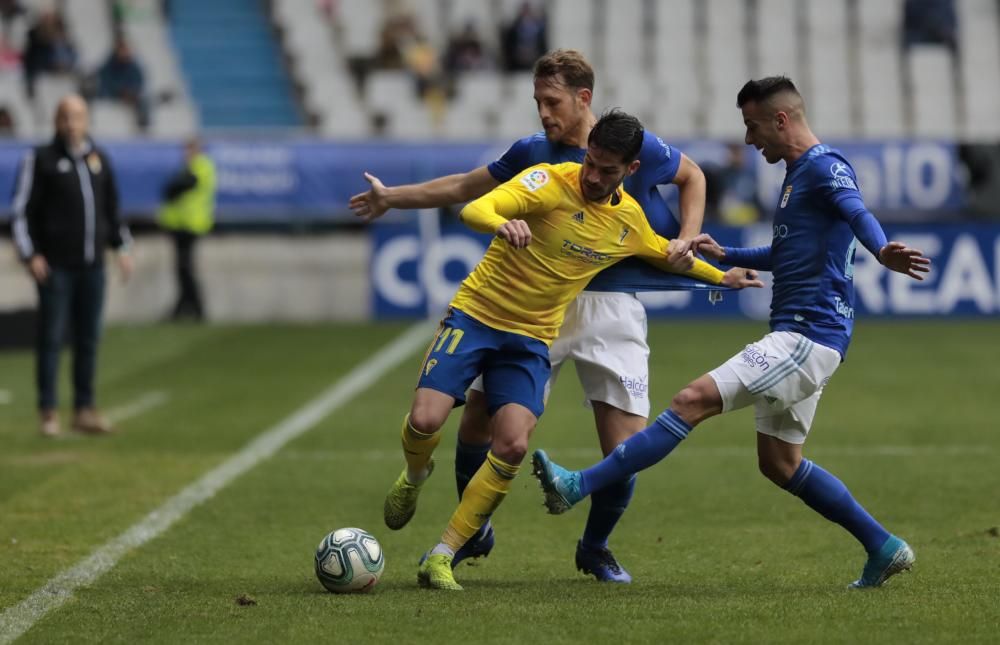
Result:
[65,216]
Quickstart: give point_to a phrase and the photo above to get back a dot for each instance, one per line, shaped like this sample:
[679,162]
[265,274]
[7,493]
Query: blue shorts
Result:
[515,367]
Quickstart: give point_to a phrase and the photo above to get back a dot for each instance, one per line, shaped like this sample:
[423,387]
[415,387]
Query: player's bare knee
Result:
[426,419]
[511,432]
[511,449]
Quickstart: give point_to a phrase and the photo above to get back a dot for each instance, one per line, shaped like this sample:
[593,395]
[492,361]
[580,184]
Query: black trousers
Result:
[74,296]
[189,303]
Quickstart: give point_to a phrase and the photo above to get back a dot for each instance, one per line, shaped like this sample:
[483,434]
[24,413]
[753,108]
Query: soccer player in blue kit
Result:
[811,257]
[604,331]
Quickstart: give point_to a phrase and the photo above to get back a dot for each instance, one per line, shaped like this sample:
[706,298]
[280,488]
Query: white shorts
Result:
[605,334]
[782,375]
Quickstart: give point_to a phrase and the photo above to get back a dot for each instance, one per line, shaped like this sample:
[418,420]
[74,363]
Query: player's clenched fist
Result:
[739,278]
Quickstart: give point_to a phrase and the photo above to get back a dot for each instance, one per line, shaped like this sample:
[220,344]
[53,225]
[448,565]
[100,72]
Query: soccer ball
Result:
[349,560]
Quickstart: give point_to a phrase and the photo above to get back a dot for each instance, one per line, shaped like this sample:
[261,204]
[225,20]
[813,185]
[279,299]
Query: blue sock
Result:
[606,508]
[468,459]
[828,496]
[638,452]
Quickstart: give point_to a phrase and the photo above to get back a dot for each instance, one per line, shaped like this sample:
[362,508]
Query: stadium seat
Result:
[571,26]
[362,23]
[622,38]
[174,120]
[829,88]
[49,90]
[475,110]
[481,14]
[518,116]
[150,39]
[726,54]
[14,97]
[880,71]
[89,26]
[391,91]
[979,76]
[777,40]
[930,69]
[112,120]
[677,88]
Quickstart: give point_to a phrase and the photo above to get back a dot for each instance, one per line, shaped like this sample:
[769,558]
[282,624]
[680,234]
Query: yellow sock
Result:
[485,492]
[417,448]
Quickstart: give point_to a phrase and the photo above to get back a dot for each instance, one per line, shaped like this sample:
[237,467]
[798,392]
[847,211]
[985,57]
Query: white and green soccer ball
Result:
[349,561]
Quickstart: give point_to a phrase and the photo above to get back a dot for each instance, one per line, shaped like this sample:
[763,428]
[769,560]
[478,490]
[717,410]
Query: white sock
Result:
[443,549]
[419,477]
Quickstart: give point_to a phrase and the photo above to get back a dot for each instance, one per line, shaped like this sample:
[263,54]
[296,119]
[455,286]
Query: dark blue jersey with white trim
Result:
[819,215]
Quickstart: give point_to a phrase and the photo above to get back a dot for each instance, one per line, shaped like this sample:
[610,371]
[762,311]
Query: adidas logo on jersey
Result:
[579,217]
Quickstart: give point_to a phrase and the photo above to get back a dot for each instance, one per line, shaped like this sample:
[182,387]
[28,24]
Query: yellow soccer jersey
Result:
[526,291]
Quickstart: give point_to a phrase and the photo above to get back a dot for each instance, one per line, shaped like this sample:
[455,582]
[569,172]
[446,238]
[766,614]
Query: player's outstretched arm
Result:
[900,258]
[758,257]
[443,191]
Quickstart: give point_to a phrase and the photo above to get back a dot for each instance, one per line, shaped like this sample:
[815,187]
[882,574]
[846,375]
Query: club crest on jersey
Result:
[578,216]
[94,163]
[535,179]
[784,198]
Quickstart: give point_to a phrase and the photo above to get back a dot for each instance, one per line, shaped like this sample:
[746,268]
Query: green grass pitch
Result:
[718,553]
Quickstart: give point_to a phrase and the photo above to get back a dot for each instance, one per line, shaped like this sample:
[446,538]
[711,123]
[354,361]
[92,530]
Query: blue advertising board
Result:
[415,274]
[288,181]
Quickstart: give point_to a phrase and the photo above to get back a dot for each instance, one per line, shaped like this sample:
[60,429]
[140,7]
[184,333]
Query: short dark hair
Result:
[567,64]
[764,89]
[620,132]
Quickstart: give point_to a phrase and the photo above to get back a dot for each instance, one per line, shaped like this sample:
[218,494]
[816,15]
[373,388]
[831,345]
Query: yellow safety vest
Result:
[194,209]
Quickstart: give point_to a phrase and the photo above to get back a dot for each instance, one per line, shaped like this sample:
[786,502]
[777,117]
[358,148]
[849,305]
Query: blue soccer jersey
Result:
[818,217]
[658,165]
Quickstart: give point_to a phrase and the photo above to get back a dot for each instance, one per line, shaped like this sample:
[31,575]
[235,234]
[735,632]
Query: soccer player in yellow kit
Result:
[577,221]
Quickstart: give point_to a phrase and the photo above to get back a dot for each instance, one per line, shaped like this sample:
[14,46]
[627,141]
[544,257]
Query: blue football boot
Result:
[560,486]
[479,546]
[894,557]
[600,563]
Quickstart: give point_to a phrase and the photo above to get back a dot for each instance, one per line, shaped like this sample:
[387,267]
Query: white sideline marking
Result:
[134,408]
[18,619]
[560,454]
[6,397]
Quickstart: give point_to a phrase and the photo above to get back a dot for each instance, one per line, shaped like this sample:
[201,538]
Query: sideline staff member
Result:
[65,216]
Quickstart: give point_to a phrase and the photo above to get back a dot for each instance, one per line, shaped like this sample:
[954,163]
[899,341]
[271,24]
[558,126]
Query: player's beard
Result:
[563,128]
[597,193]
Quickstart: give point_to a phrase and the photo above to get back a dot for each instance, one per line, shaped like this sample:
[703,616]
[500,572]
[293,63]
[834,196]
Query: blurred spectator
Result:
[731,193]
[930,22]
[65,216]
[465,52]
[188,213]
[397,33]
[524,40]
[10,10]
[49,49]
[10,58]
[6,122]
[403,47]
[120,78]
[980,163]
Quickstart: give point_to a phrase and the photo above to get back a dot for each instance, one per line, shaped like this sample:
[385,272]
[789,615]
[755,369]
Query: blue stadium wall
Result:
[413,271]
